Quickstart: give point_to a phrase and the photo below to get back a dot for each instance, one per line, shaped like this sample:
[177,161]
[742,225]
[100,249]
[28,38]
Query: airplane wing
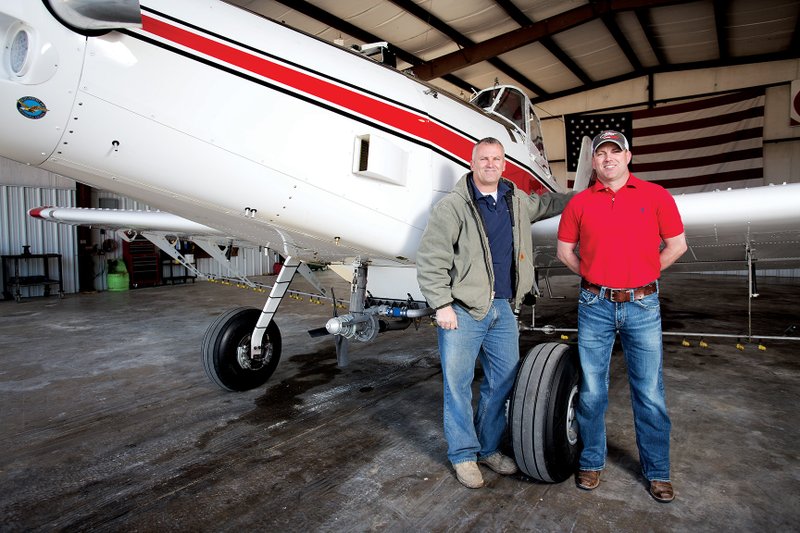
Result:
[724,230]
[160,228]
[122,219]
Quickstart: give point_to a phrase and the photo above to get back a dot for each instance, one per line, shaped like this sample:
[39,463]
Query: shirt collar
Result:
[633,181]
[502,189]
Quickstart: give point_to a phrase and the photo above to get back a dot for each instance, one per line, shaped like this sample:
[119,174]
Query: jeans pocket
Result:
[649,302]
[587,298]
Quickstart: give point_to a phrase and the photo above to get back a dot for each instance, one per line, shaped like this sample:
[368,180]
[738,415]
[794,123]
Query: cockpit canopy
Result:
[513,107]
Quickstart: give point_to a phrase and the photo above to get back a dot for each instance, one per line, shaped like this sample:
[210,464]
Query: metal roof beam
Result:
[314,12]
[687,67]
[611,25]
[462,40]
[517,38]
[795,45]
[720,21]
[643,16]
[523,20]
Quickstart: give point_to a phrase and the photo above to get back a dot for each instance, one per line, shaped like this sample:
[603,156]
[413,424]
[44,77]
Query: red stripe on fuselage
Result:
[400,119]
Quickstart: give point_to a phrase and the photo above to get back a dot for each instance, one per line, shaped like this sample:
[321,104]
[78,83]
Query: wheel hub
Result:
[245,358]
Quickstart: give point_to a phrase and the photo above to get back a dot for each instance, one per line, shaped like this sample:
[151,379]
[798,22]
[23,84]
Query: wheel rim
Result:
[572,421]
[246,361]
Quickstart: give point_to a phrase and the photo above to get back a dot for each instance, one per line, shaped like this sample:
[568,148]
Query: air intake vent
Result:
[380,159]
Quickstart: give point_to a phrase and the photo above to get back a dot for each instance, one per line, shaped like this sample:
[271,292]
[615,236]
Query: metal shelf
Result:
[15,265]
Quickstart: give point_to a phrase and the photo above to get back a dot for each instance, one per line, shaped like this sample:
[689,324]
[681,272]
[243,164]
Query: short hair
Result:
[487,140]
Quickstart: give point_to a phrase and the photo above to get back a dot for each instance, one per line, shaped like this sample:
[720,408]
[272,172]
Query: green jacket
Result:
[454,262]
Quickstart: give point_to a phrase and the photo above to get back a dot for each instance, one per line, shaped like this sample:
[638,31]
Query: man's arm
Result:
[566,254]
[674,248]
[435,257]
[434,260]
[549,204]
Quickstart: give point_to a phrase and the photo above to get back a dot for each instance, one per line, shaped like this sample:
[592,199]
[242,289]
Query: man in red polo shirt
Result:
[620,223]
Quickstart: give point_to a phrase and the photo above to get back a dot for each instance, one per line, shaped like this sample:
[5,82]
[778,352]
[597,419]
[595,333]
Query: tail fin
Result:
[584,172]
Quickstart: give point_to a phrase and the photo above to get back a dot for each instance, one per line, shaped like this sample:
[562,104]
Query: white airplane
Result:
[245,131]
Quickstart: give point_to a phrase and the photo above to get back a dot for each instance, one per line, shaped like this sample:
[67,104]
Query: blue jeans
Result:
[639,326]
[495,340]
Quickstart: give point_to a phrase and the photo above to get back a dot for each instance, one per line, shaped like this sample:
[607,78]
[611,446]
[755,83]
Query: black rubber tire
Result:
[542,423]
[220,347]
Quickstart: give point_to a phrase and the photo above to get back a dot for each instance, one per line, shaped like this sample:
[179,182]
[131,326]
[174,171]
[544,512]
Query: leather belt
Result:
[621,295]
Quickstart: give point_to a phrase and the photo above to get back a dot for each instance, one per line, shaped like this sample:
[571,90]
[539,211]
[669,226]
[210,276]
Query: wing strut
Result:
[168,248]
[752,292]
[222,257]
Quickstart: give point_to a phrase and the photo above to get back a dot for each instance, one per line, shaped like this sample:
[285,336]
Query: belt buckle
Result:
[613,295]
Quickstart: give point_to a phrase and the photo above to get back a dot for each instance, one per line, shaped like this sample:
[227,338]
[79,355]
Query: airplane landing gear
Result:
[227,357]
[544,431]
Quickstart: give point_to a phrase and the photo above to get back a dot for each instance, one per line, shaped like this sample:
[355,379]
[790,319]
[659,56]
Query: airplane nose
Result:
[39,76]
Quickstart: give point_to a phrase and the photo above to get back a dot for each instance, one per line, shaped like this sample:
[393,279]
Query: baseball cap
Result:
[610,136]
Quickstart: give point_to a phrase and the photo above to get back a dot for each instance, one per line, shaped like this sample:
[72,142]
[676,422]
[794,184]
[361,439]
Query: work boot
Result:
[662,491]
[500,463]
[469,474]
[587,479]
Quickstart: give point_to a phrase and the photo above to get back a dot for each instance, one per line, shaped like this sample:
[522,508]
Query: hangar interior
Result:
[573,59]
[95,439]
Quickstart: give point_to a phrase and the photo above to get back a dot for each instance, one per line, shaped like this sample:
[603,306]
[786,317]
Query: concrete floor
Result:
[109,423]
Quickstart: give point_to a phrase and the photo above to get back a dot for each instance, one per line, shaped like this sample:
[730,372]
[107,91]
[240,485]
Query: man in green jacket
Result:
[475,266]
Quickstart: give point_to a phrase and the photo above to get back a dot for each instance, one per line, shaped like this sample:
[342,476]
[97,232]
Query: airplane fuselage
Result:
[246,126]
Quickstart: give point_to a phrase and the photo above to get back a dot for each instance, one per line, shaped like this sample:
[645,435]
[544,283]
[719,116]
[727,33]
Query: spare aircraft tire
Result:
[544,432]
[226,346]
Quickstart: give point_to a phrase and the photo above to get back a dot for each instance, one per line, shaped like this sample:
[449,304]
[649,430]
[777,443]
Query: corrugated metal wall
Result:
[17,229]
[24,187]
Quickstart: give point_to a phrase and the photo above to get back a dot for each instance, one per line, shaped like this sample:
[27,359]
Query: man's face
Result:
[610,162]
[488,165]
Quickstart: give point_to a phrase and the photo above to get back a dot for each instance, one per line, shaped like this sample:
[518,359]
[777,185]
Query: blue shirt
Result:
[497,221]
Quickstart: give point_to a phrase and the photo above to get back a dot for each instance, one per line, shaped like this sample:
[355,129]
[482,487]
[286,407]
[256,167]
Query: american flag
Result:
[699,145]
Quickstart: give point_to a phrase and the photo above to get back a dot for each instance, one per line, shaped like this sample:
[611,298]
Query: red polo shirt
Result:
[620,234]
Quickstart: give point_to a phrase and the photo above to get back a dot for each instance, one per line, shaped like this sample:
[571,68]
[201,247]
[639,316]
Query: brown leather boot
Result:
[662,491]
[587,479]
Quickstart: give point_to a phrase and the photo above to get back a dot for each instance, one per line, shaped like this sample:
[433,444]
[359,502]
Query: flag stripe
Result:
[688,162]
[700,170]
[710,179]
[688,144]
[697,105]
[729,118]
[701,151]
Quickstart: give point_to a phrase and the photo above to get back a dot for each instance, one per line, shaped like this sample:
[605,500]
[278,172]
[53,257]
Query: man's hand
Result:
[446,318]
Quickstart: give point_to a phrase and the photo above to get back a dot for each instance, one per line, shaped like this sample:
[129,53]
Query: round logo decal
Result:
[31,107]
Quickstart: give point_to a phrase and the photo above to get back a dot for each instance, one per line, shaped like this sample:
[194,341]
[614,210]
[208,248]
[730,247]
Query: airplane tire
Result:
[544,431]
[226,349]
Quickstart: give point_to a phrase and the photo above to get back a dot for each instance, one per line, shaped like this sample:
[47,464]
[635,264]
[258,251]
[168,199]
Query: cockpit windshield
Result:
[507,102]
